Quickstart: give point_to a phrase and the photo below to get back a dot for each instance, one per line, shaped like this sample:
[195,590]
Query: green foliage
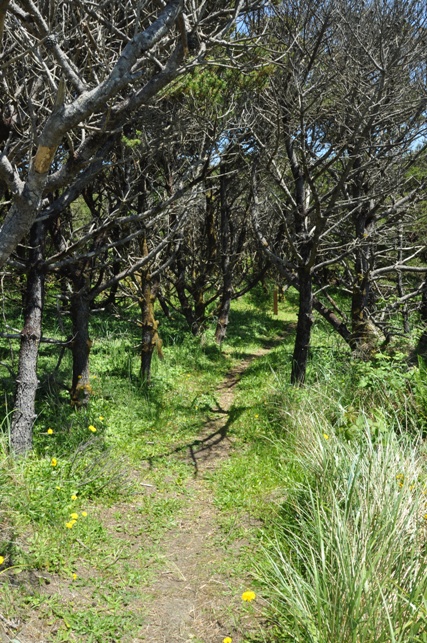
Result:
[347,560]
[214,84]
[325,484]
[334,475]
[132,142]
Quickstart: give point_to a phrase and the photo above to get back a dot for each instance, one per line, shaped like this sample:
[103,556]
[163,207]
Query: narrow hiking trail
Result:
[195,596]
[195,599]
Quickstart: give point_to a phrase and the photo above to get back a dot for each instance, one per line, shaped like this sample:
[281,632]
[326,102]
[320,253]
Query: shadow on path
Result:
[214,442]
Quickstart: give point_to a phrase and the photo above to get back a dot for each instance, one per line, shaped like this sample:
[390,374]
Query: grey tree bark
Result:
[64,118]
[24,413]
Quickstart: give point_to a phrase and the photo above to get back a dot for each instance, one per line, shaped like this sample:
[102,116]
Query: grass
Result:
[324,487]
[124,482]
[334,474]
[346,560]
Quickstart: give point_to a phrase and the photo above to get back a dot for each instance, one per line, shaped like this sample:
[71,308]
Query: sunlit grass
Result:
[322,492]
[346,559]
[102,478]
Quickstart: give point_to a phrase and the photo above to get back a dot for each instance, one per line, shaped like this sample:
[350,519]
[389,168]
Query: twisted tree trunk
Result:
[305,322]
[80,347]
[21,437]
[149,325]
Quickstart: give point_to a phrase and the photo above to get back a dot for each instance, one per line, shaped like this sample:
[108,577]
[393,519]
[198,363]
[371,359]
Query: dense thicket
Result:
[183,151]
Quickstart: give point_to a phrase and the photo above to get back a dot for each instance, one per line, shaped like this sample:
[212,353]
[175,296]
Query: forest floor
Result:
[194,595]
[212,482]
[192,599]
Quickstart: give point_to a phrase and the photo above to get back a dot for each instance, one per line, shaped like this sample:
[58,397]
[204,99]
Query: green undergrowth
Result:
[82,517]
[323,495]
[328,485]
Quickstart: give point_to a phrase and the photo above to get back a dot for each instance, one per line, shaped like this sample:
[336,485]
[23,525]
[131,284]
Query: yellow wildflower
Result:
[92,428]
[256,415]
[228,639]
[54,462]
[74,576]
[248,596]
[326,436]
[101,418]
[70,524]
[84,514]
[74,516]
[59,488]
[49,431]
[1,560]
[74,497]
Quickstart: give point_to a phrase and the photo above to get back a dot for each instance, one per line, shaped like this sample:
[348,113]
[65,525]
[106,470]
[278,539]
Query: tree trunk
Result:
[27,382]
[421,348]
[336,323]
[423,304]
[224,309]
[199,309]
[359,321]
[400,288]
[186,308]
[363,334]
[226,267]
[149,325]
[80,346]
[163,304]
[305,322]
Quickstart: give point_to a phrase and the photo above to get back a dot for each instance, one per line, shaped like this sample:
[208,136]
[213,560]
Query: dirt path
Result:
[194,600]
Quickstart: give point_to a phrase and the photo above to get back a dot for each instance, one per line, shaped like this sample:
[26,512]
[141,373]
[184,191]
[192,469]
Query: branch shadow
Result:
[203,448]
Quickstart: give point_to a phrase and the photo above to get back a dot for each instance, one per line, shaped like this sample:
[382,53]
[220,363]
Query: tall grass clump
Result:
[346,562]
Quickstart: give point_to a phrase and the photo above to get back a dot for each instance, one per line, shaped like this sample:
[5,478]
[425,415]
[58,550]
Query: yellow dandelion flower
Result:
[70,524]
[74,497]
[248,596]
[74,516]
[256,415]
[326,436]
[228,639]
[74,576]
[50,431]
[1,560]
[84,514]
[54,462]
[92,428]
[101,418]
